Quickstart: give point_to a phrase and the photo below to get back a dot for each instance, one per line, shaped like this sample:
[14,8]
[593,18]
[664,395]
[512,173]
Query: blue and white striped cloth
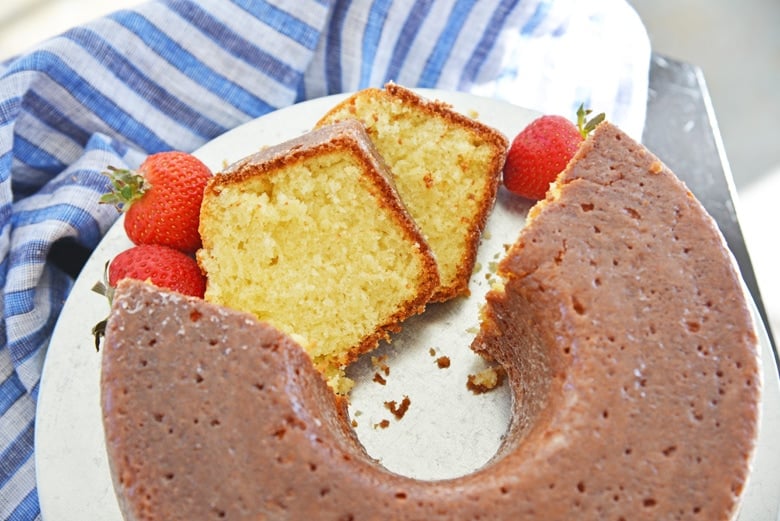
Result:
[175,74]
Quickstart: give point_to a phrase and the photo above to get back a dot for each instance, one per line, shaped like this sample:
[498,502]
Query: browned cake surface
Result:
[623,330]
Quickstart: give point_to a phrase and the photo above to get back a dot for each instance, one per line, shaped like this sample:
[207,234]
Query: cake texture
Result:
[311,236]
[621,325]
[446,167]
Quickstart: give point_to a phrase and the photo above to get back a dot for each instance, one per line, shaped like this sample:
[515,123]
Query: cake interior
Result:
[442,170]
[305,249]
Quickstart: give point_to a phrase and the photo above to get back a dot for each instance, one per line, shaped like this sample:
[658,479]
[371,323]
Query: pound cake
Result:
[621,325]
[446,167]
[311,236]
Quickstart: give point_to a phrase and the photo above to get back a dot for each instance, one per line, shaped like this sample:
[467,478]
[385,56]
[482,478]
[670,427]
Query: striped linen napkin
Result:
[175,74]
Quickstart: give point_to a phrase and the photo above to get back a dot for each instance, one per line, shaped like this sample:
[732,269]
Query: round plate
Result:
[434,440]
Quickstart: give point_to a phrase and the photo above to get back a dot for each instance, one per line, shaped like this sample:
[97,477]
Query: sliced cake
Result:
[446,167]
[311,236]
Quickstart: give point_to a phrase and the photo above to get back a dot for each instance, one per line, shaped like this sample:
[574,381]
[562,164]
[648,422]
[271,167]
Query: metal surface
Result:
[682,131]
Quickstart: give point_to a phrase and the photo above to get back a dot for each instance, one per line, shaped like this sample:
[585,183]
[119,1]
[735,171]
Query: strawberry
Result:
[542,150]
[161,200]
[162,266]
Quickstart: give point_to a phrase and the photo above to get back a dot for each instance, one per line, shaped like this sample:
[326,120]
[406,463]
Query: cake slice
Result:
[446,167]
[311,236]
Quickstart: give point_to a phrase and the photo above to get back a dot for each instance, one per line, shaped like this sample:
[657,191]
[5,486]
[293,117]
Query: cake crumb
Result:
[432,351]
[378,378]
[443,362]
[486,380]
[380,362]
[384,424]
[399,410]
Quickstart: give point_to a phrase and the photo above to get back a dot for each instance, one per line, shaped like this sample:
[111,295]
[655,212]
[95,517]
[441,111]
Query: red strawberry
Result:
[162,266]
[161,200]
[542,150]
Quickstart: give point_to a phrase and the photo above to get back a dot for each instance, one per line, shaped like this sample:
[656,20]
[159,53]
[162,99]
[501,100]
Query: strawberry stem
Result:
[127,187]
[105,289]
[584,125]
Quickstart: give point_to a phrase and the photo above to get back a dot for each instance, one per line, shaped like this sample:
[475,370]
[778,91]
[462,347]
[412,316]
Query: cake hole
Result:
[169,476]
[215,423]
[158,416]
[632,213]
[649,502]
[587,207]
[579,308]
[152,342]
[581,487]
[195,315]
[693,326]
[400,495]
[456,405]
[668,451]
[198,378]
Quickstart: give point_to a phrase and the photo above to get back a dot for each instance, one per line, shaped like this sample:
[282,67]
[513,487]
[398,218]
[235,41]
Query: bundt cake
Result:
[310,236]
[446,167]
[621,325]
